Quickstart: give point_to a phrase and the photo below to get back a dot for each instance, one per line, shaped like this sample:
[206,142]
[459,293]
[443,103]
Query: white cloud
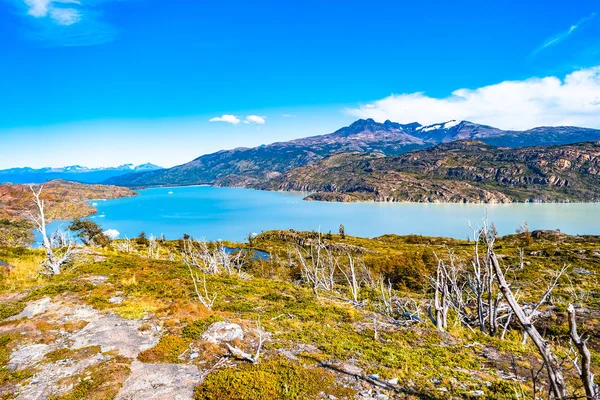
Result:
[65,16]
[255,119]
[574,100]
[71,23]
[564,35]
[112,233]
[288,115]
[62,16]
[231,119]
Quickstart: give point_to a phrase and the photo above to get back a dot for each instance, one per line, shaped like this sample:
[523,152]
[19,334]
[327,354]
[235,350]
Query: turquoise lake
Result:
[231,214]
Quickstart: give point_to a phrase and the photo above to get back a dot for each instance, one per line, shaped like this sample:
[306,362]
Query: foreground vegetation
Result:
[313,341]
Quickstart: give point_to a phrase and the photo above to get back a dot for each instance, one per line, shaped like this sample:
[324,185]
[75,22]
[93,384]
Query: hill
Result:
[458,172]
[62,200]
[247,166]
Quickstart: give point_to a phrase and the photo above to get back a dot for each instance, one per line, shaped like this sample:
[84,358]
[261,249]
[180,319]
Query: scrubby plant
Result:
[168,349]
[275,379]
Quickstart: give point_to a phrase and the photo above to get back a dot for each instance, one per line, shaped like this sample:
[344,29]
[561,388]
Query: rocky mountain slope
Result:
[76,173]
[462,171]
[245,166]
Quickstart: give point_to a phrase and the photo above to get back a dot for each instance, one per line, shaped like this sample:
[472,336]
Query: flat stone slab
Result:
[32,309]
[112,332]
[160,382]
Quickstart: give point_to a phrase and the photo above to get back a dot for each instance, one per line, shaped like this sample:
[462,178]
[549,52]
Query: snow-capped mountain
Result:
[72,173]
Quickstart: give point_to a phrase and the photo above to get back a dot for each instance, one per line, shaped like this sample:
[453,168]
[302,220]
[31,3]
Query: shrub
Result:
[275,379]
[168,349]
[195,329]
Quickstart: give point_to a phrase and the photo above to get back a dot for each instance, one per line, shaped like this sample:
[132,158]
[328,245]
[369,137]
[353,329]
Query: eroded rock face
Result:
[160,381]
[112,332]
[223,332]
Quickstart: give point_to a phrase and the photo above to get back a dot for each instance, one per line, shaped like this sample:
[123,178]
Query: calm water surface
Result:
[230,214]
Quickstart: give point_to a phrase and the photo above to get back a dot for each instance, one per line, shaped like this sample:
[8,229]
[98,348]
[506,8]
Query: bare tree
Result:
[212,259]
[253,358]
[399,311]
[553,367]
[351,278]
[584,370]
[153,247]
[438,312]
[58,247]
[318,266]
[205,299]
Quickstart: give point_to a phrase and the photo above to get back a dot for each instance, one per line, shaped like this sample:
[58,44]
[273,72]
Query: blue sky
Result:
[101,82]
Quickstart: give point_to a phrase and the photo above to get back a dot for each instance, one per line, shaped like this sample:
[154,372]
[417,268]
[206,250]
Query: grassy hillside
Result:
[463,171]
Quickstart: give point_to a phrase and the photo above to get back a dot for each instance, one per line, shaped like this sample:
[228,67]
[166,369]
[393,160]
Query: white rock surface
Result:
[113,332]
[160,382]
[24,356]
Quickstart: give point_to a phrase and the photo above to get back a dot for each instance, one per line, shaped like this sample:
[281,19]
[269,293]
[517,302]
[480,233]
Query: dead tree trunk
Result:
[439,314]
[557,381]
[54,259]
[587,378]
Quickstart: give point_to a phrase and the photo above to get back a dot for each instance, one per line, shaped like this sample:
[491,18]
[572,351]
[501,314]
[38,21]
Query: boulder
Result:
[223,332]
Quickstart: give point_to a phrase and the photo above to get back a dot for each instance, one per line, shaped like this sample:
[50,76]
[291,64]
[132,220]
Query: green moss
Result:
[276,379]
[58,288]
[168,349]
[79,354]
[9,309]
[195,329]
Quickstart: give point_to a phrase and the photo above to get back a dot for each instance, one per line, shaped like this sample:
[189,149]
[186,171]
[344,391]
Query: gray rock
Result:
[32,309]
[115,300]
[45,382]
[160,381]
[113,332]
[24,356]
[223,332]
[351,369]
[96,279]
[393,381]
[374,376]
[477,392]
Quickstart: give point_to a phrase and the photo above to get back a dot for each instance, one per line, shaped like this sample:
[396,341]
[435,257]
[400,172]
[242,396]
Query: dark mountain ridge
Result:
[249,166]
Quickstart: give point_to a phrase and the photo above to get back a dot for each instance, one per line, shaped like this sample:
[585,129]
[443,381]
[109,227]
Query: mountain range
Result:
[252,166]
[75,173]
